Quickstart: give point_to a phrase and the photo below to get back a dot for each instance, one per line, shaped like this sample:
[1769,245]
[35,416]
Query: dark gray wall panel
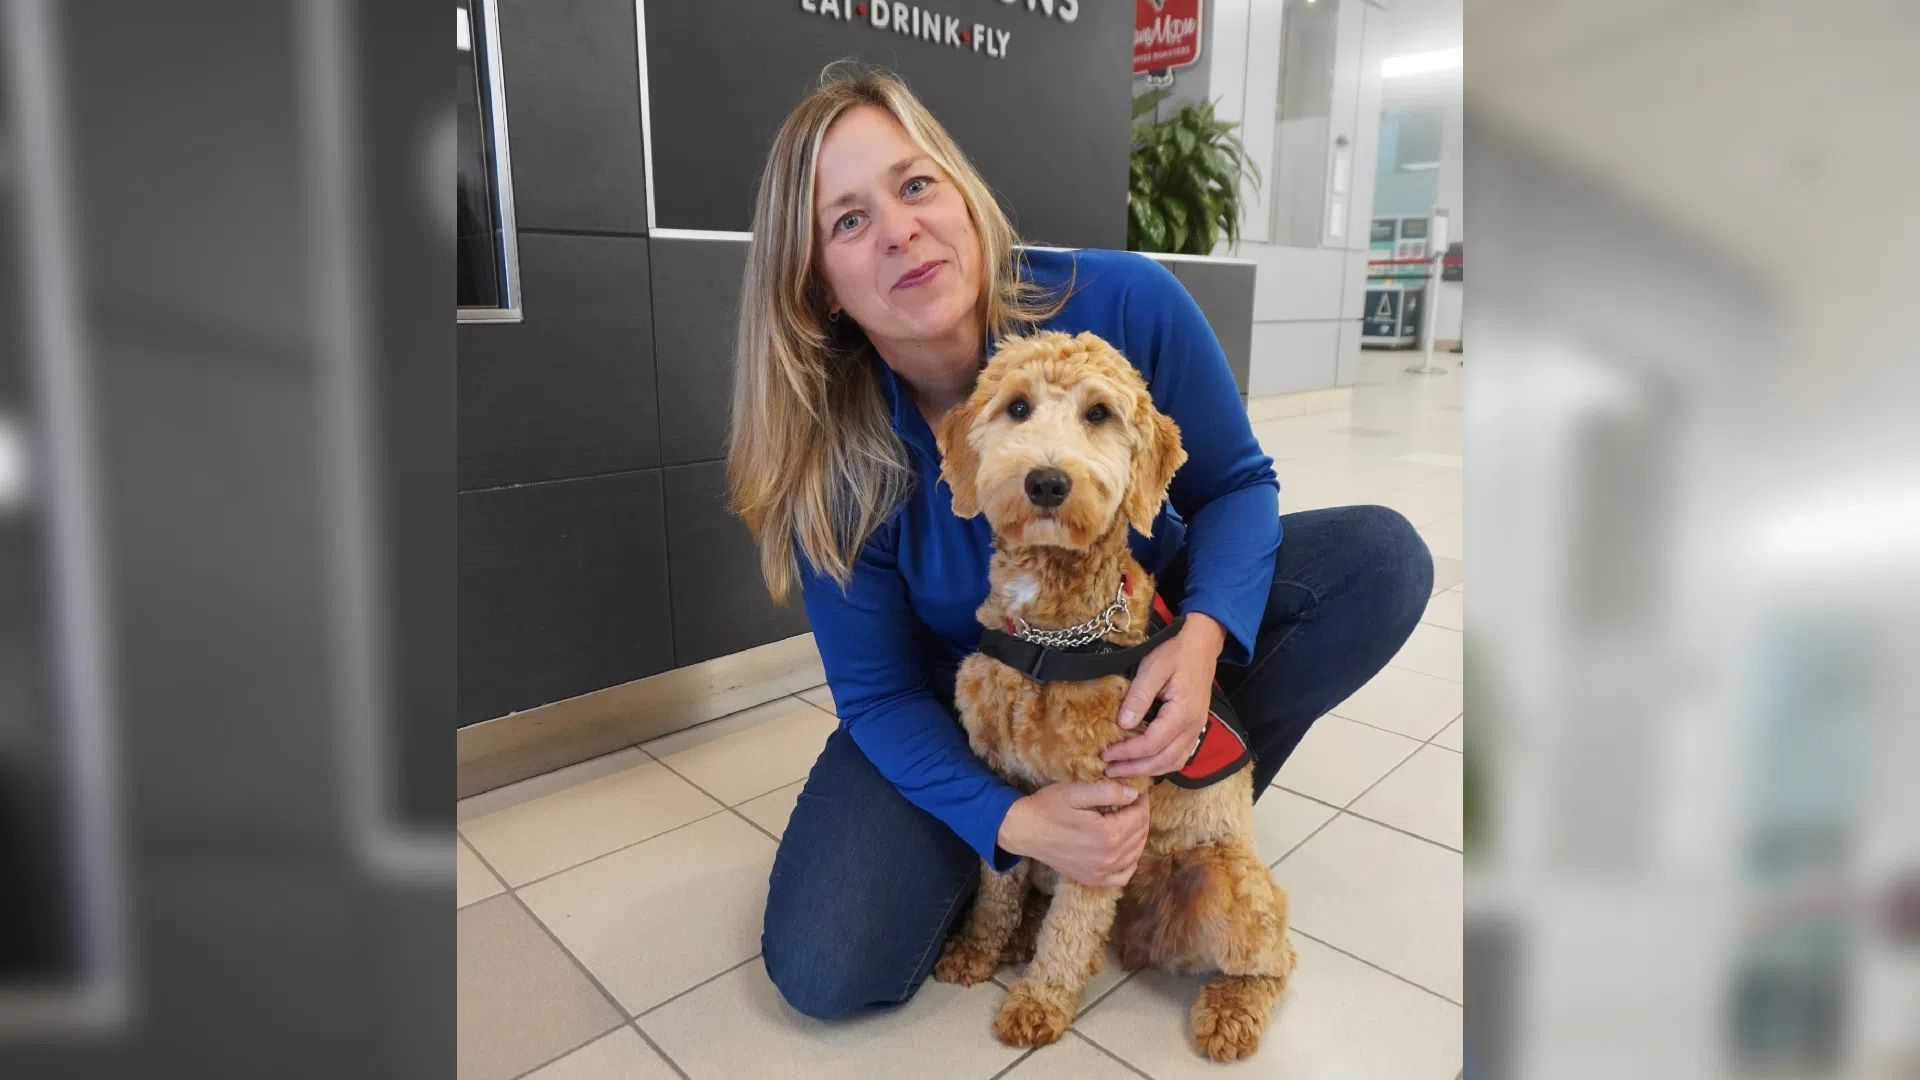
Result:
[569,390]
[1224,292]
[573,108]
[720,604]
[696,293]
[563,589]
[1047,125]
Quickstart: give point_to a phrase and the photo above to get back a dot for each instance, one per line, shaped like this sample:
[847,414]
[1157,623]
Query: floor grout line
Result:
[1429,674]
[734,808]
[623,847]
[651,1009]
[1015,1063]
[1443,731]
[1384,971]
[1349,811]
[1331,818]
[1389,731]
[657,1048]
[577,963]
[1104,995]
[571,1049]
[1090,1041]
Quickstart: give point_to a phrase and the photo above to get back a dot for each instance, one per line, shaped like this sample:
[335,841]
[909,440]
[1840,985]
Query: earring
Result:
[833,316]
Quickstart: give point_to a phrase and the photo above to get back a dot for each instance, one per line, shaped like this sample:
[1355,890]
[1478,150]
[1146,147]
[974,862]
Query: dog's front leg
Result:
[1073,938]
[973,954]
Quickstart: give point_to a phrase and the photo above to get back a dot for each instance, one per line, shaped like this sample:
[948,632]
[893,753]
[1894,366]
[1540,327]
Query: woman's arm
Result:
[1226,491]
[868,638]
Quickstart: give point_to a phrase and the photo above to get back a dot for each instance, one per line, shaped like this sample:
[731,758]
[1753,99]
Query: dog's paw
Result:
[966,961]
[1227,1025]
[1027,1019]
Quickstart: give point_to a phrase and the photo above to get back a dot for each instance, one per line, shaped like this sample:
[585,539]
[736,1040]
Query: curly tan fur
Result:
[1201,899]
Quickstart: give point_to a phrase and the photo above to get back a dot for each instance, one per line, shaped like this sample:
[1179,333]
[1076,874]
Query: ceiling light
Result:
[1421,63]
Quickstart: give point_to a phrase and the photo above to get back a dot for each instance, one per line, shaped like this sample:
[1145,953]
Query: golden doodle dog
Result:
[1061,447]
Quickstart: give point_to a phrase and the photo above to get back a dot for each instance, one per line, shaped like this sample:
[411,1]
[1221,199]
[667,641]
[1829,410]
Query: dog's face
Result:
[1058,441]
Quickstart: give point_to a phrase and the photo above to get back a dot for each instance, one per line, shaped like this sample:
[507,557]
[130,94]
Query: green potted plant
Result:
[1183,189]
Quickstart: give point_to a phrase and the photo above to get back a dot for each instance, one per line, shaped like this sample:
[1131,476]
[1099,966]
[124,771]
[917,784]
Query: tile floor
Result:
[610,911]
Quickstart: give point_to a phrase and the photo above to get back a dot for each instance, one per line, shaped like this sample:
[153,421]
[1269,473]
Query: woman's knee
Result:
[815,978]
[812,988]
[1395,558]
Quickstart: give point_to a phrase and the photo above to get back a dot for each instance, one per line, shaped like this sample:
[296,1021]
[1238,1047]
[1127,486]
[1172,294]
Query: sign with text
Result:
[921,24]
[1166,34]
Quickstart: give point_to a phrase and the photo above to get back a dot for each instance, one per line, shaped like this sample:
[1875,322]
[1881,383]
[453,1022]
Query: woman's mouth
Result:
[919,275]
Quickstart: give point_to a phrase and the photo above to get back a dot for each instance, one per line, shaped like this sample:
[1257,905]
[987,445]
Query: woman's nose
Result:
[897,227]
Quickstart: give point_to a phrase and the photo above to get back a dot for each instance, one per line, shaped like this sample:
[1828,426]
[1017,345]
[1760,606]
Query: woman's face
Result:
[897,249]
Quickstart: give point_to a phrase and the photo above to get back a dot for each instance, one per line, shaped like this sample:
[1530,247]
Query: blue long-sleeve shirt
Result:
[893,640]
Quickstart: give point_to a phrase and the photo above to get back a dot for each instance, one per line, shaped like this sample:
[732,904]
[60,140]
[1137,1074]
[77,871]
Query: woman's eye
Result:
[845,223]
[915,186]
[1096,414]
[1019,409]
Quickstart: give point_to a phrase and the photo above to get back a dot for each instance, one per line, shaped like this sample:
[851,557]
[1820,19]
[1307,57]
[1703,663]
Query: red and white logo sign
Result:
[1166,34]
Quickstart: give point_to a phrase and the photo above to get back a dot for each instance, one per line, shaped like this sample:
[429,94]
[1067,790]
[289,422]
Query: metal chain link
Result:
[1085,633]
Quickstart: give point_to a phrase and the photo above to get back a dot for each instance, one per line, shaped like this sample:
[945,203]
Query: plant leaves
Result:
[1149,101]
[1184,179]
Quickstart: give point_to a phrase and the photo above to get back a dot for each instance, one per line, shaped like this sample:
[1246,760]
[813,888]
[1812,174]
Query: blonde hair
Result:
[812,458]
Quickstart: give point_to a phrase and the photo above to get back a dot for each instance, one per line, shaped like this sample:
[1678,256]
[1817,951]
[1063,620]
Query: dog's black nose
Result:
[1047,488]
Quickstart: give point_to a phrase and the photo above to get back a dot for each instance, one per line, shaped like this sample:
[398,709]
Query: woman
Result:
[881,273]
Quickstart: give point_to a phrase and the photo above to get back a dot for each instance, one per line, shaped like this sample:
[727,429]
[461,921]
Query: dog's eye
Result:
[1019,409]
[1097,414]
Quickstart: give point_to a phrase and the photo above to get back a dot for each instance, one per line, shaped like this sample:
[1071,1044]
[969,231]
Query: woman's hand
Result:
[1180,674]
[1069,827]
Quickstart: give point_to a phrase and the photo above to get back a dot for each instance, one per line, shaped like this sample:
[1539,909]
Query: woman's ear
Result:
[959,464]
[1157,455]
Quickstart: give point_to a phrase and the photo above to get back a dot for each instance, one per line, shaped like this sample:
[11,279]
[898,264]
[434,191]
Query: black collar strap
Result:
[1046,664]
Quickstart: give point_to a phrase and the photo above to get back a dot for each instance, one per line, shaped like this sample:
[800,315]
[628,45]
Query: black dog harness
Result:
[1223,749]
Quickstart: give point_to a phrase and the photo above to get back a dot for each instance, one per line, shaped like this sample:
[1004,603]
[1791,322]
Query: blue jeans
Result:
[867,886]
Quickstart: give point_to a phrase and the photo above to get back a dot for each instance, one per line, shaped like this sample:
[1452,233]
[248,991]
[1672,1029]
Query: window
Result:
[1304,122]
[486,251]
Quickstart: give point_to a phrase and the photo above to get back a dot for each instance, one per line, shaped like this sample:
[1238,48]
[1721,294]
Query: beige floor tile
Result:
[749,753]
[1426,502]
[770,811]
[1431,650]
[472,881]
[1448,609]
[1383,896]
[1339,759]
[520,1001]
[1282,819]
[1072,1058]
[819,696]
[1448,573]
[1111,975]
[1453,736]
[1339,1020]
[556,829]
[1445,543]
[737,1026]
[655,919]
[1421,796]
[1405,702]
[525,791]
[623,1055]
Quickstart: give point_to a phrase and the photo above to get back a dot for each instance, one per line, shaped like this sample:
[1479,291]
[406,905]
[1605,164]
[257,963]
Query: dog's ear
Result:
[1157,455]
[959,464]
